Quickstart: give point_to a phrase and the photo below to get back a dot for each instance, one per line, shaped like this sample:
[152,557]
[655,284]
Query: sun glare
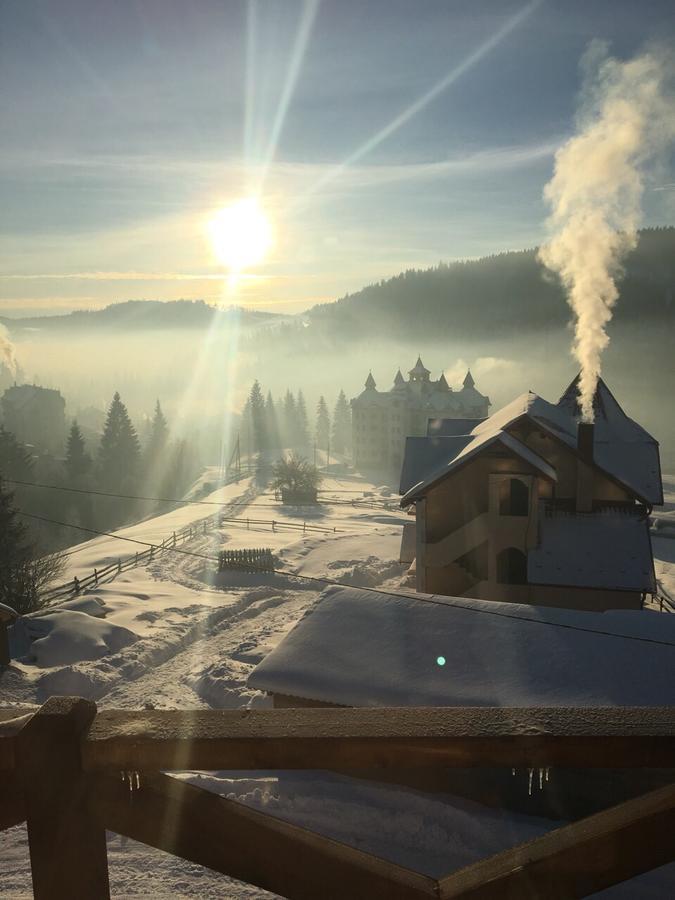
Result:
[241,234]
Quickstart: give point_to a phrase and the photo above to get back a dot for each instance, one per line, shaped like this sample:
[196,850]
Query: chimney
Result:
[584,498]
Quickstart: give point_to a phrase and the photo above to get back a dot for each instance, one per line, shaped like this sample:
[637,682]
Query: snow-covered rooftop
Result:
[607,550]
[462,448]
[359,648]
[621,447]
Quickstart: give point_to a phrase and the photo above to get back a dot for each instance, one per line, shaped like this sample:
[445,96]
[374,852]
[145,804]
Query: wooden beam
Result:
[68,854]
[152,740]
[11,722]
[578,859]
[243,843]
[12,809]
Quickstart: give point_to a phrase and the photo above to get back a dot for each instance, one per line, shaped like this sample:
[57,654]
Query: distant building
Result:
[533,506]
[35,415]
[382,420]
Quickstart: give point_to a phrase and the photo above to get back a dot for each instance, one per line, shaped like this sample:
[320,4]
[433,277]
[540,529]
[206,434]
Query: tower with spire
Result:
[383,419]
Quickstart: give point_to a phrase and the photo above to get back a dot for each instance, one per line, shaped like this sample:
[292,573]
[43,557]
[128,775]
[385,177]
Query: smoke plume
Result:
[7,355]
[627,117]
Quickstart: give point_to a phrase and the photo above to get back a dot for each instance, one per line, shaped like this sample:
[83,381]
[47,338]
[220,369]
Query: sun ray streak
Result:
[250,89]
[305,26]
[428,97]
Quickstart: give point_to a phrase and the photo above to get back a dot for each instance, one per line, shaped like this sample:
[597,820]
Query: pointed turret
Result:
[370,381]
[468,379]
[399,380]
[442,383]
[419,373]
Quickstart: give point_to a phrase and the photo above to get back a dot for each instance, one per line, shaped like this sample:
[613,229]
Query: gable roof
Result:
[464,448]
[359,648]
[622,449]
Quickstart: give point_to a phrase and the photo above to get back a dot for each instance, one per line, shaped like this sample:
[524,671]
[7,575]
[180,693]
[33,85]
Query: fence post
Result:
[247,525]
[95,576]
[119,565]
[273,525]
[304,527]
[68,855]
[76,585]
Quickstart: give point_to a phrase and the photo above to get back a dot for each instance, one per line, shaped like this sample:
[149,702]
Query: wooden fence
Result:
[60,766]
[258,560]
[74,586]
[665,598]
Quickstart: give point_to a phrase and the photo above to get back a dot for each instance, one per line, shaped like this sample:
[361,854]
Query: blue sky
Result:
[379,135]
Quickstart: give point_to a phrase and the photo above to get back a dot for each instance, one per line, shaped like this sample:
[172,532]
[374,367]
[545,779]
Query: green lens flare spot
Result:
[440,660]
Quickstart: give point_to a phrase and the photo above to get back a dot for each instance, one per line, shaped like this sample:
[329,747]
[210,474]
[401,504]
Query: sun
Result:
[240,234]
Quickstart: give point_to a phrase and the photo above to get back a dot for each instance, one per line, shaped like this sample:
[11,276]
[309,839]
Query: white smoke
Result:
[7,355]
[596,190]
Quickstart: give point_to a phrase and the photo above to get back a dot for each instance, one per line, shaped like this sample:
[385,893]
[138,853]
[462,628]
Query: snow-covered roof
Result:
[610,550]
[426,454]
[359,648]
[464,448]
[451,427]
[621,448]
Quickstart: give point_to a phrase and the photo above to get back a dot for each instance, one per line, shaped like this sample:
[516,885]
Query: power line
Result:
[93,493]
[328,581]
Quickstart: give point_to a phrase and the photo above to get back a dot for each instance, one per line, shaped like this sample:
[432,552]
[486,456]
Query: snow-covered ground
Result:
[175,634]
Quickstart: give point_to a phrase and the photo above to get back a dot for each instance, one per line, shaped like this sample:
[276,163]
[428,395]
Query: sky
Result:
[375,135]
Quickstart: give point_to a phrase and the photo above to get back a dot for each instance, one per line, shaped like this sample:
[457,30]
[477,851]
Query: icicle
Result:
[530,774]
[541,779]
[137,781]
[513,771]
[548,769]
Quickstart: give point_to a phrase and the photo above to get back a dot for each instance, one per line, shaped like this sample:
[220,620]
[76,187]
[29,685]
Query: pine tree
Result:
[246,430]
[290,421]
[158,438]
[119,451]
[78,461]
[15,460]
[15,549]
[302,427]
[272,424]
[257,405]
[342,425]
[322,425]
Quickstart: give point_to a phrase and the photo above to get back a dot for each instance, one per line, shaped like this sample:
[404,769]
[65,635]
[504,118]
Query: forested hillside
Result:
[142,314]
[507,293]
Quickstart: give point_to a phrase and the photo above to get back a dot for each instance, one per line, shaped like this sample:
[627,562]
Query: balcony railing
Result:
[60,767]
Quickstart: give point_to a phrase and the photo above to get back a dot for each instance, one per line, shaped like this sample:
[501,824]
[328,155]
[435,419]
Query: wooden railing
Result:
[60,765]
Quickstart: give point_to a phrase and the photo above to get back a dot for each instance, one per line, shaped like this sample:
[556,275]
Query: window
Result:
[514,498]
[511,566]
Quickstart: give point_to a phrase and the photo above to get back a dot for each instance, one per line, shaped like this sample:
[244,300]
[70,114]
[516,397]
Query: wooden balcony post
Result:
[68,853]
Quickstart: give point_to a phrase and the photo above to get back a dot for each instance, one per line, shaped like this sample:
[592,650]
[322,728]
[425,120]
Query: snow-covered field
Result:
[174,634]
